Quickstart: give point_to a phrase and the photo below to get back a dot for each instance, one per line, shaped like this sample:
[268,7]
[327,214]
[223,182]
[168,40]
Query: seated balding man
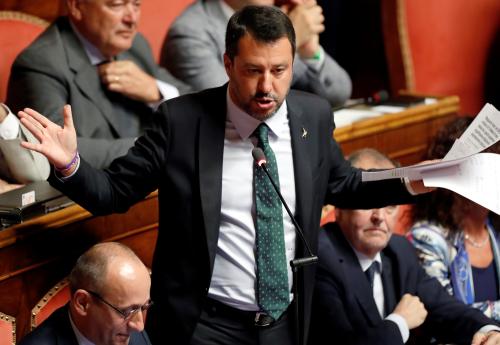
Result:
[109,296]
[371,289]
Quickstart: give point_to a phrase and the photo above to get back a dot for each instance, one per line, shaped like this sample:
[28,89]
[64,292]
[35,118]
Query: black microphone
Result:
[261,161]
[374,99]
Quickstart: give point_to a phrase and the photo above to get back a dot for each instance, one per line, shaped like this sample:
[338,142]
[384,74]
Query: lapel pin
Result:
[304,133]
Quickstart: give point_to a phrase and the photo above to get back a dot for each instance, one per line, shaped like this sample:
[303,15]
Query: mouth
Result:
[376,230]
[126,33]
[265,103]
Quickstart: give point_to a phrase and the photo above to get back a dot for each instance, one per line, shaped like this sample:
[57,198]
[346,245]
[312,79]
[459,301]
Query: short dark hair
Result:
[264,23]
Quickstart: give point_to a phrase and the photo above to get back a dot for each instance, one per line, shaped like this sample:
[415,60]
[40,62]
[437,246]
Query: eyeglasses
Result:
[127,313]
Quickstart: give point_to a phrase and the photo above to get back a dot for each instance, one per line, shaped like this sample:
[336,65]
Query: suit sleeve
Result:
[129,178]
[331,81]
[345,187]
[19,164]
[191,54]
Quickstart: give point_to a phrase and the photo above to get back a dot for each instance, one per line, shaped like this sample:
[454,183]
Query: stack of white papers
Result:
[464,170]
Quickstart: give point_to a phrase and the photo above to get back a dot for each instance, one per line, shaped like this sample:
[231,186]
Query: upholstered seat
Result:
[17,30]
[58,296]
[7,329]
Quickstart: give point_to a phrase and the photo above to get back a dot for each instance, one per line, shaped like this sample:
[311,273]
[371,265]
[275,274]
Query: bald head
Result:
[370,159]
[92,267]
[110,291]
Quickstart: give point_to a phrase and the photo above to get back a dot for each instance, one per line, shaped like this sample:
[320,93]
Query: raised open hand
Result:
[56,143]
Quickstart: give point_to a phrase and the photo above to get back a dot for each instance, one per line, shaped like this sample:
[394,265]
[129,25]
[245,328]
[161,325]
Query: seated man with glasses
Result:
[370,288]
[109,298]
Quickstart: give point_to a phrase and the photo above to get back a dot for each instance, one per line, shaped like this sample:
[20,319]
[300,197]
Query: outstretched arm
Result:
[56,143]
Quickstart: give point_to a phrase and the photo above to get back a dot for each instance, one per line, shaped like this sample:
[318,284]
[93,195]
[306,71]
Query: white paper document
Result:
[463,170]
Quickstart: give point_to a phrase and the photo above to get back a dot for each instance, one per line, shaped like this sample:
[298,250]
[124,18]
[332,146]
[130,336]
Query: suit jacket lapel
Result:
[211,150]
[388,285]
[86,77]
[355,278]
[299,123]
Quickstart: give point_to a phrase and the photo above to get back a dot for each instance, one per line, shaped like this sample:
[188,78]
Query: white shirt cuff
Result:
[401,323]
[408,186]
[9,128]
[489,328]
[316,63]
[167,91]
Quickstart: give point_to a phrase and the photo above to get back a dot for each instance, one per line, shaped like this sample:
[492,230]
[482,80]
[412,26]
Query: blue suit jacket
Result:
[344,307]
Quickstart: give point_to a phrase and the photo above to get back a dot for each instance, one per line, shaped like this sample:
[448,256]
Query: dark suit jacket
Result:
[345,312]
[182,157]
[55,70]
[56,330]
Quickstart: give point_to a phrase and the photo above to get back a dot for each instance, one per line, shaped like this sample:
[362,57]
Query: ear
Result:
[228,64]
[74,9]
[81,302]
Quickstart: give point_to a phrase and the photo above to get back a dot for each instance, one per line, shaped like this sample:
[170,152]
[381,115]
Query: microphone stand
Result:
[295,264]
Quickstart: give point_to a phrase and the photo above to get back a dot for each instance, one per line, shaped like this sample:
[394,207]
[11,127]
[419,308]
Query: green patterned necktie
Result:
[272,275]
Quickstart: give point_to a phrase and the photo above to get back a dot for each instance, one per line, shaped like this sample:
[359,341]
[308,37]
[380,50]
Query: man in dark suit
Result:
[199,158]
[109,296]
[95,60]
[371,289]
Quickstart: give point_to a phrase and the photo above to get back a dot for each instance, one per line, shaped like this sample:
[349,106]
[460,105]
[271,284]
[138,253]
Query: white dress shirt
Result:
[234,275]
[378,293]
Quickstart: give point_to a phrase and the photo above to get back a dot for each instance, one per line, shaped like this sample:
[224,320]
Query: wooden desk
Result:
[403,136]
[36,254]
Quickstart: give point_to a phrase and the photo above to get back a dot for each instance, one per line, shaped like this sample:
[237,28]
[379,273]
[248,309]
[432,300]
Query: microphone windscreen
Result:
[259,156]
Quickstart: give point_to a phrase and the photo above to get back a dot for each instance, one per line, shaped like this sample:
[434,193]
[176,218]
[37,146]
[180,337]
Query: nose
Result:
[377,216]
[132,13]
[265,83]
[136,321]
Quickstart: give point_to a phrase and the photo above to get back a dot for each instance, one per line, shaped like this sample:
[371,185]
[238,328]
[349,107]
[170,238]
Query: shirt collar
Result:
[246,124]
[80,338]
[95,56]
[366,261]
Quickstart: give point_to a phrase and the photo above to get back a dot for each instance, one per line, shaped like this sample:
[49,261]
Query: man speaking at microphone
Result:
[220,267]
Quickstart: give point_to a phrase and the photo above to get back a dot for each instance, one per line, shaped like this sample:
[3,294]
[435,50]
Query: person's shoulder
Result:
[303,99]
[54,327]
[400,242]
[139,338]
[192,16]
[429,233]
[202,100]
[48,41]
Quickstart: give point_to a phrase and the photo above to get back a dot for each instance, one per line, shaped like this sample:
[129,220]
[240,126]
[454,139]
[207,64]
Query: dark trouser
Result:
[220,324]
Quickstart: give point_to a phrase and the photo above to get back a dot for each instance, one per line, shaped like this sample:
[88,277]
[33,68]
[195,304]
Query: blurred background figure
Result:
[194,47]
[455,238]
[109,298]
[95,60]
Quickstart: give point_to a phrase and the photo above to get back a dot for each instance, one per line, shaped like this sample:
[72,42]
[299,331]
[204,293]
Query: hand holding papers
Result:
[463,170]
